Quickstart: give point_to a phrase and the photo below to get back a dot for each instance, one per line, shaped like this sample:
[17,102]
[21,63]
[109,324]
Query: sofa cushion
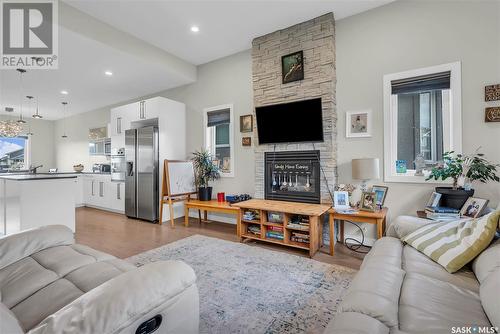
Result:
[17,246]
[46,281]
[428,305]
[416,262]
[375,292]
[487,262]
[8,321]
[355,323]
[490,291]
[454,244]
[385,252]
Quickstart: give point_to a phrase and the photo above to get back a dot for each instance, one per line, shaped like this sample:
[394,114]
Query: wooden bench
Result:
[208,206]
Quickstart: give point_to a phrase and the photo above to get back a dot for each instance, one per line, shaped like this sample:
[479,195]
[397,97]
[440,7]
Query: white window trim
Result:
[452,135]
[231,133]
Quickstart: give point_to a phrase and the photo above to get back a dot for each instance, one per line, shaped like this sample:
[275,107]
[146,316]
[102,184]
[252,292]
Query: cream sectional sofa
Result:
[400,290]
[49,284]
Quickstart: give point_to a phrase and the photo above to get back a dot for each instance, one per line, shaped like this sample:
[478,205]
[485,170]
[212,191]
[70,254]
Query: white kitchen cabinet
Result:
[89,190]
[117,195]
[79,198]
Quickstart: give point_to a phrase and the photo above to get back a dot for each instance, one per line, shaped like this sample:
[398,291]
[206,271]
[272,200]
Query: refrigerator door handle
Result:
[130,168]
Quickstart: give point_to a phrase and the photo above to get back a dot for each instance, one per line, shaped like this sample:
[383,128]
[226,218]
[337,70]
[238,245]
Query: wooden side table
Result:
[377,218]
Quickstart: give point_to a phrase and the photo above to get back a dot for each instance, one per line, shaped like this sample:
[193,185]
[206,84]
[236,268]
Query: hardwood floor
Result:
[123,237]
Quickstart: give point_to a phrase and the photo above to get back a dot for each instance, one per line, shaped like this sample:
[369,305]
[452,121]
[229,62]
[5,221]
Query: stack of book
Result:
[299,222]
[442,213]
[300,237]
[251,215]
[274,232]
[254,229]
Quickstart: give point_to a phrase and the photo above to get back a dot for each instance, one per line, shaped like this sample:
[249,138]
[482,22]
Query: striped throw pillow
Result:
[454,244]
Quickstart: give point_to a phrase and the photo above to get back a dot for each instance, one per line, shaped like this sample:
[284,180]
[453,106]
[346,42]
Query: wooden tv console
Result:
[289,211]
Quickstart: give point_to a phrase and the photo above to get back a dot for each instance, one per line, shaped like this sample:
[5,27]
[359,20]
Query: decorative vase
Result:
[454,198]
[205,193]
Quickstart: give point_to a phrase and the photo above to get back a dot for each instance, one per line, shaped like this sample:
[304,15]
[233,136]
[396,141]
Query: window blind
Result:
[218,117]
[428,82]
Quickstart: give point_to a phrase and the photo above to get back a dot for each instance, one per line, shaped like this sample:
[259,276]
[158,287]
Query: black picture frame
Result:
[287,61]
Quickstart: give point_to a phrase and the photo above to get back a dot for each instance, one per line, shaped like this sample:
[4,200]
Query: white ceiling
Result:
[226,27]
[149,46]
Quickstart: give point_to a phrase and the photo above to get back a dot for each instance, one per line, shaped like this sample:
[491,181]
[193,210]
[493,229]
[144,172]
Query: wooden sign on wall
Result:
[492,93]
[492,114]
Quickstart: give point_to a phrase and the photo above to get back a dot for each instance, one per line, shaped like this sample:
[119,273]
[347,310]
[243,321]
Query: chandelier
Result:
[10,129]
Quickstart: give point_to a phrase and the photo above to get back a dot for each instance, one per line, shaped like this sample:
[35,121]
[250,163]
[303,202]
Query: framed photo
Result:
[380,194]
[434,199]
[358,124]
[492,114]
[492,93]
[246,141]
[368,200]
[292,67]
[246,123]
[473,207]
[341,200]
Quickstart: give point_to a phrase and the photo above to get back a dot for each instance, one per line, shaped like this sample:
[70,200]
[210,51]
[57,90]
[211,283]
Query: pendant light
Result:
[64,119]
[21,119]
[36,114]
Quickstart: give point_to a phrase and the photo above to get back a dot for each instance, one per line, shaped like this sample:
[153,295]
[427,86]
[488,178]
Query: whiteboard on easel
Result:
[181,177]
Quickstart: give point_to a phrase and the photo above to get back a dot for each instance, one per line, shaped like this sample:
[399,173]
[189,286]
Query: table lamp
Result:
[365,169]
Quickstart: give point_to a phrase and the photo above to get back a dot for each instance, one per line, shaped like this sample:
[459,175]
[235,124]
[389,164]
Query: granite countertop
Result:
[34,177]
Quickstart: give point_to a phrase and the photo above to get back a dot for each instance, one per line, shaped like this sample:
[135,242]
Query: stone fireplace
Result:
[316,38]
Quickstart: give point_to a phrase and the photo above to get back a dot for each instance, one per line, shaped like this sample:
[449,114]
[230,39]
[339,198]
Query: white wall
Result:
[406,35]
[75,149]
[42,141]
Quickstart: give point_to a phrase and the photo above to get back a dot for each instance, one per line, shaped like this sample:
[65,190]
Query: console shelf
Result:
[288,211]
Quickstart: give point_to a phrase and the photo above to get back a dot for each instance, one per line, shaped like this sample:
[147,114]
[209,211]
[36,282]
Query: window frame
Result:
[231,134]
[452,120]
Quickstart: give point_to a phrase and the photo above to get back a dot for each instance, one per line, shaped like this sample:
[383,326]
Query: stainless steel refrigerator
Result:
[141,177]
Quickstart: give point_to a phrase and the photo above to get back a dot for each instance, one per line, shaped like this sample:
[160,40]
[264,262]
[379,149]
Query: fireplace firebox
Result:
[292,176]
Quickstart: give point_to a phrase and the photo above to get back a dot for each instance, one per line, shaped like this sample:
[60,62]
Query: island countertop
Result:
[34,177]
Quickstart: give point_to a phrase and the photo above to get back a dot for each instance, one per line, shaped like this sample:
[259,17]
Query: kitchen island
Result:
[34,200]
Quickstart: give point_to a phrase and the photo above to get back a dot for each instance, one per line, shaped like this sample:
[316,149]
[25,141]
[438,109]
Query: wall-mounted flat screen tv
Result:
[293,122]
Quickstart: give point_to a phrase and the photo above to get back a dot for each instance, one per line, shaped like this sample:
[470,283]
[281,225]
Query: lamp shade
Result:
[365,169]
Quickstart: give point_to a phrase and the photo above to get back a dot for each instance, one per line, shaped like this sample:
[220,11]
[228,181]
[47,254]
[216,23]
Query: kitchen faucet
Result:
[34,168]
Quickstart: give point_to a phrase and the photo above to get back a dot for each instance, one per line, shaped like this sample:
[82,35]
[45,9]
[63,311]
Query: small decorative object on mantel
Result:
[292,67]
[492,93]
[358,124]
[492,114]
[463,169]
[246,123]
[246,141]
[367,201]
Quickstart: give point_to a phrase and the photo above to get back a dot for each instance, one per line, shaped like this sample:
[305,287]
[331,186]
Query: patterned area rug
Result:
[248,289]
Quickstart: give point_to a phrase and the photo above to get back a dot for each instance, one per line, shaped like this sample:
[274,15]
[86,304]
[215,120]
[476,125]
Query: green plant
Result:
[204,168]
[474,167]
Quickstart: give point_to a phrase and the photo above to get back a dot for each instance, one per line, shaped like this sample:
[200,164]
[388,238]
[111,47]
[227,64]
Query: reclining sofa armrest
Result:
[355,323]
[162,293]
[17,246]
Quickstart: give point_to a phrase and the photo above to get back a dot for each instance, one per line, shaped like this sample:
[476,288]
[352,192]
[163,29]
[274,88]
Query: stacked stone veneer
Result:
[316,38]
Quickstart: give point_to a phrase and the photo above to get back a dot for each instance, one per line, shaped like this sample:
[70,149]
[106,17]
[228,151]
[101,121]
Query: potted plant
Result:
[461,168]
[205,171]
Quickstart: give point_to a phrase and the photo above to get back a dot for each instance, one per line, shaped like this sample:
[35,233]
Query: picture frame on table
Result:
[434,200]
[380,194]
[368,201]
[358,124]
[473,207]
[246,123]
[341,200]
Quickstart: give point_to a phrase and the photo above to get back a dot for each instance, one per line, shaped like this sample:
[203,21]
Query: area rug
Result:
[249,289]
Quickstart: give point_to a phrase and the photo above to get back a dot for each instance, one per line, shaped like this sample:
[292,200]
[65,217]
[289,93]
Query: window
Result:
[422,118]
[14,153]
[218,122]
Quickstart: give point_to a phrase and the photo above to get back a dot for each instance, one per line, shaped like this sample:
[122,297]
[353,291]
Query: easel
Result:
[166,194]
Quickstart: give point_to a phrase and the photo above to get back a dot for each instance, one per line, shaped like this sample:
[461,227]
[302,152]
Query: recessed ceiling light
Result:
[195,29]
[64,92]
[108,73]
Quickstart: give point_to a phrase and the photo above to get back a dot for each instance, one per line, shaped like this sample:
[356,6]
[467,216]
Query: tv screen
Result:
[293,122]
